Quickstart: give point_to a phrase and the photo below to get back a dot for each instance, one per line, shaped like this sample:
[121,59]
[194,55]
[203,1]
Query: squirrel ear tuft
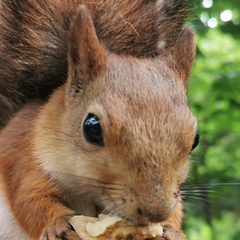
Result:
[184,53]
[86,56]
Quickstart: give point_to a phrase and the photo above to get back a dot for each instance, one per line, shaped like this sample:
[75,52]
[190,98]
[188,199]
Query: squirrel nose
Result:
[151,216]
[156,218]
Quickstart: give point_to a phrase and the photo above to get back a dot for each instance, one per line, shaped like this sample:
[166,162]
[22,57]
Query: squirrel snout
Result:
[152,215]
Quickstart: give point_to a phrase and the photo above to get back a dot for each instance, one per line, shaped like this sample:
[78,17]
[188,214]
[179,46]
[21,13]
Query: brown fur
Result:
[33,40]
[49,170]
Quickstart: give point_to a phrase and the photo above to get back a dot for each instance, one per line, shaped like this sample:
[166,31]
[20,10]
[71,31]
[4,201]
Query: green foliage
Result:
[214,96]
[221,229]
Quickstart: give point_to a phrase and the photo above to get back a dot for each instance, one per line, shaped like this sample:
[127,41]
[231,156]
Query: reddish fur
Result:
[34,40]
[38,204]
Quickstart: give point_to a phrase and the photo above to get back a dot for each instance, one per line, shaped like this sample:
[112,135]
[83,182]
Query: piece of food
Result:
[114,228]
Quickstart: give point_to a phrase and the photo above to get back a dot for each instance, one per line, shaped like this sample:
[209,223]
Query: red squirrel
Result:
[114,138]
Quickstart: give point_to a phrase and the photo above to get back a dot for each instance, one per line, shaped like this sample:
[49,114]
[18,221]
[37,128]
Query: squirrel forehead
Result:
[142,80]
[138,85]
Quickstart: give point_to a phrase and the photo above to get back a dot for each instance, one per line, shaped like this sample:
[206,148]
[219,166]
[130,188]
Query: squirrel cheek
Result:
[182,173]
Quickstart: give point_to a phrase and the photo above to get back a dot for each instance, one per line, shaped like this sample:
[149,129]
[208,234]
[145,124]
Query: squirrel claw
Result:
[170,234]
[60,229]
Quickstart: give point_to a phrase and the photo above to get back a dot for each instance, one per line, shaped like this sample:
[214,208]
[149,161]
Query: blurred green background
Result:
[212,194]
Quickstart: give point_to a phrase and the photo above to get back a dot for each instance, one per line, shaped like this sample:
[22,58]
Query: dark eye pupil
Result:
[196,141]
[92,130]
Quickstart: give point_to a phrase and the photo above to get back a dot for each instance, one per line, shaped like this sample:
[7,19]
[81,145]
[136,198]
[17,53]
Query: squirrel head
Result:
[122,130]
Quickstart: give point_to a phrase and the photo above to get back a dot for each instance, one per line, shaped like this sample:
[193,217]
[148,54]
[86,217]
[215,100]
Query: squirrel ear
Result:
[86,56]
[184,53]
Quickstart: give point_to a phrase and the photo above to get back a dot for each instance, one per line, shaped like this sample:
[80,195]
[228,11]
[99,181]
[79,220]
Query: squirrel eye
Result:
[92,130]
[196,141]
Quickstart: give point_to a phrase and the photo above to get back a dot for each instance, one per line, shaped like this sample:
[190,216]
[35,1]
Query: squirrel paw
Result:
[170,234]
[60,229]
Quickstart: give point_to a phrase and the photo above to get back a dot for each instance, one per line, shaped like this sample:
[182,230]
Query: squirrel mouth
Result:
[100,210]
